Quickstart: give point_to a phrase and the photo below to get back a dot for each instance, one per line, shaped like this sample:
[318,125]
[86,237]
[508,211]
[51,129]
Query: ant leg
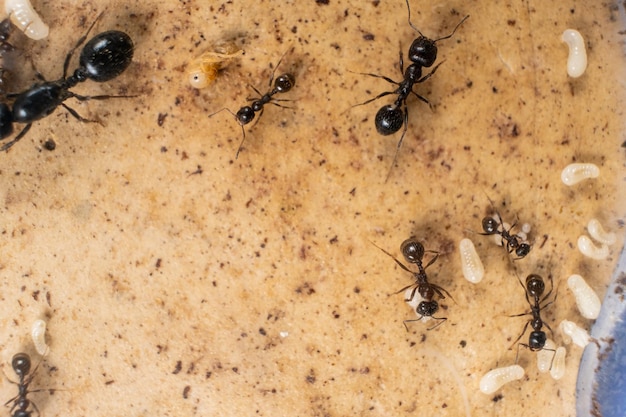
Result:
[439,291]
[389,80]
[221,110]
[430,74]
[78,116]
[401,62]
[7,145]
[520,335]
[386,93]
[243,133]
[432,261]
[256,91]
[395,156]
[66,64]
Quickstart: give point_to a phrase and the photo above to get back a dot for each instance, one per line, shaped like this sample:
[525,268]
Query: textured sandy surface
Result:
[177,280]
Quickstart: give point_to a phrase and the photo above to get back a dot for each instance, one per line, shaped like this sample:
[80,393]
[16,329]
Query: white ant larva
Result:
[26,18]
[575,173]
[587,300]
[577,59]
[526,228]
[558,364]
[587,248]
[573,333]
[496,378]
[545,356]
[473,269]
[38,334]
[597,232]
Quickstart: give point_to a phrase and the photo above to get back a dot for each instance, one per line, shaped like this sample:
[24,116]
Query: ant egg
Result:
[526,228]
[496,378]
[587,248]
[26,18]
[586,298]
[545,356]
[558,364]
[573,333]
[577,59]
[575,173]
[597,232]
[473,269]
[203,70]
[38,334]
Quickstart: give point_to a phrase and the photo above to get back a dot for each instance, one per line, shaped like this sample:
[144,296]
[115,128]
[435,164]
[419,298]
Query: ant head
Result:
[107,55]
[245,115]
[427,308]
[412,250]
[21,364]
[284,83]
[535,285]
[423,51]
[536,340]
[389,120]
[490,225]
[522,250]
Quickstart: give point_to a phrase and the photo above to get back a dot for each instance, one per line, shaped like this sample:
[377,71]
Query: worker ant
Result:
[515,242]
[413,252]
[246,114]
[21,365]
[103,58]
[535,288]
[422,53]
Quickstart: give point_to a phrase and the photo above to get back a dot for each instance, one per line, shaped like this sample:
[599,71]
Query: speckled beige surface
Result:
[177,280]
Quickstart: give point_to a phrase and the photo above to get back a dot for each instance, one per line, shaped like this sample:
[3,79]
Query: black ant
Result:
[492,226]
[246,114]
[534,288]
[103,58]
[422,53]
[21,365]
[413,251]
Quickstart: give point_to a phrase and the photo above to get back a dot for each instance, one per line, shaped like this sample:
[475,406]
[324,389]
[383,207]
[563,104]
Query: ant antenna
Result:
[436,40]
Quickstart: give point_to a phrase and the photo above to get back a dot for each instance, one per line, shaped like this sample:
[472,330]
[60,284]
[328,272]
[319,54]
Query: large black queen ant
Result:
[103,58]
[413,252]
[422,54]
[246,114]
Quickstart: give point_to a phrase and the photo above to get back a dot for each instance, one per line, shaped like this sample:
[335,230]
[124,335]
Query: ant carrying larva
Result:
[246,114]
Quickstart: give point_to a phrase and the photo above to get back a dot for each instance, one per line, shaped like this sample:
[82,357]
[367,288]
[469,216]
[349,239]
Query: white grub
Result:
[38,334]
[558,365]
[575,173]
[526,228]
[587,300]
[572,333]
[577,59]
[473,269]
[26,18]
[545,356]
[597,232]
[496,378]
[587,248]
